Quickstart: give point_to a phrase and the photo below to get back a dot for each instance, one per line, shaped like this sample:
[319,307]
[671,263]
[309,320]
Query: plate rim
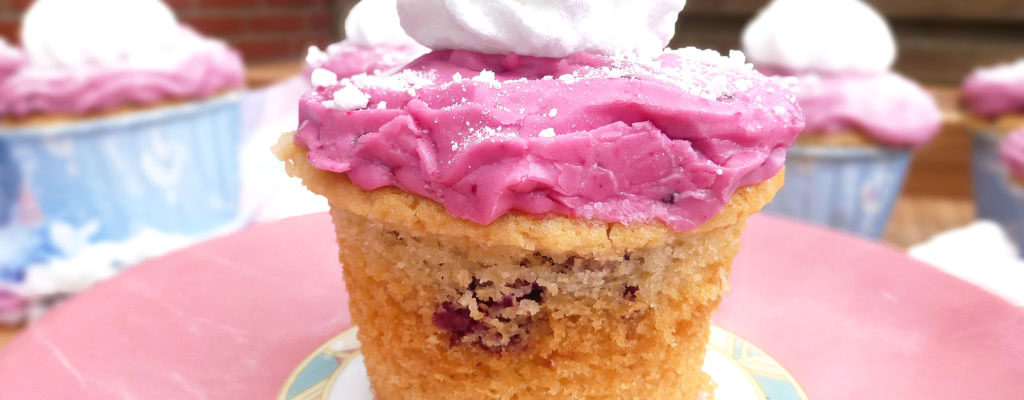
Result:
[350,356]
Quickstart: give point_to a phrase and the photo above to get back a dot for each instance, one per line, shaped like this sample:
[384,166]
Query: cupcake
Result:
[994,101]
[374,41]
[863,120]
[118,124]
[998,176]
[525,213]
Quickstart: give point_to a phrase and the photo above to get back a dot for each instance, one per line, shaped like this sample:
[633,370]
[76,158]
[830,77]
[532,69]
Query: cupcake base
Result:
[527,308]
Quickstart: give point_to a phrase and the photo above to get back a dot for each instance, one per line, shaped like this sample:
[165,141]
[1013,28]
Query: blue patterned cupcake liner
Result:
[848,188]
[173,169]
[998,197]
[10,184]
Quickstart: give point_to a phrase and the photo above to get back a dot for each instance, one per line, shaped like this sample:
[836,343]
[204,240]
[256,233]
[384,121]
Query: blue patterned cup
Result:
[997,195]
[848,188]
[172,169]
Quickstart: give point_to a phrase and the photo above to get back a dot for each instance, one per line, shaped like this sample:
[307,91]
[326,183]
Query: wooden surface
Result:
[265,74]
[6,334]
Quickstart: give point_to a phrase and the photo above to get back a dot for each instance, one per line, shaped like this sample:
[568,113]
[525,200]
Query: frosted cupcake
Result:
[374,41]
[542,214]
[994,102]
[998,178]
[119,124]
[863,120]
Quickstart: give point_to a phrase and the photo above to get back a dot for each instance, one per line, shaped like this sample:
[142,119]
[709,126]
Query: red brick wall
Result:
[261,29]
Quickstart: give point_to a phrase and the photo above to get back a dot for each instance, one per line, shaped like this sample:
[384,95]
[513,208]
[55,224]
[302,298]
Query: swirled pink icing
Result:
[346,59]
[1012,152]
[885,106]
[586,136]
[211,67]
[995,90]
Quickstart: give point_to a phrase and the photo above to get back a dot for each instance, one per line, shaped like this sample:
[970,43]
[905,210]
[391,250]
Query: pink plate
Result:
[231,319]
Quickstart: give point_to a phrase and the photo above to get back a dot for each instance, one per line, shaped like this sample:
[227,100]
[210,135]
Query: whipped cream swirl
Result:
[551,28]
[376,23]
[820,35]
[75,34]
[84,57]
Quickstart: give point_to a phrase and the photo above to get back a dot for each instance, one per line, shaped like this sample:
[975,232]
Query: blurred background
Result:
[940,42]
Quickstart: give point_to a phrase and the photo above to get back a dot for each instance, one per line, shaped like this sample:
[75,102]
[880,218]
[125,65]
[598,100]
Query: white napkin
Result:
[979,253]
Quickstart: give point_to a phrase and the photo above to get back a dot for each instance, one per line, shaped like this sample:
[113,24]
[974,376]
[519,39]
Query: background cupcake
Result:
[863,120]
[998,177]
[119,121]
[994,102]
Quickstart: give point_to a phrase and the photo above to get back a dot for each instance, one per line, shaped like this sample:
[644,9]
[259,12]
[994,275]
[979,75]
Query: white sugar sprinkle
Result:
[382,105]
[348,98]
[316,57]
[718,171]
[322,78]
[553,113]
[487,77]
[547,133]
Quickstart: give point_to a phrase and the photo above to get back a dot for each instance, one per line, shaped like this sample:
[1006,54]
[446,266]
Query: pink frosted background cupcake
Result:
[994,101]
[118,120]
[863,119]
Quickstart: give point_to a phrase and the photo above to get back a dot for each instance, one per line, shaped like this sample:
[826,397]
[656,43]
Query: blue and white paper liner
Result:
[173,169]
[10,184]
[849,188]
[997,196]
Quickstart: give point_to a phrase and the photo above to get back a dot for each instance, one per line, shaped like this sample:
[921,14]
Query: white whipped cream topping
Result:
[1006,72]
[821,35]
[126,33]
[549,28]
[322,78]
[376,23]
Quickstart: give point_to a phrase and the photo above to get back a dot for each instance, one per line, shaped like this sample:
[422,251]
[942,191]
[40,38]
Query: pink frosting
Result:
[213,68]
[586,136]
[11,59]
[1012,152]
[886,106]
[345,59]
[997,90]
